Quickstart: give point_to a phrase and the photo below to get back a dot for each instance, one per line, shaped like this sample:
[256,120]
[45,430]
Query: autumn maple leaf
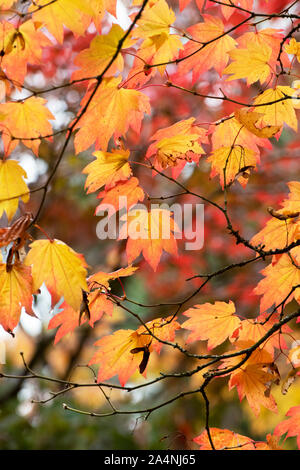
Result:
[280,278]
[232,162]
[249,120]
[108,169]
[176,145]
[255,329]
[158,49]
[124,194]
[253,378]
[212,322]
[122,352]
[12,187]
[278,234]
[21,46]
[60,268]
[26,121]
[232,132]
[281,111]
[149,232]
[292,204]
[250,63]
[16,291]
[63,12]
[224,439]
[92,61]
[101,121]
[199,58]
[94,304]
[156,19]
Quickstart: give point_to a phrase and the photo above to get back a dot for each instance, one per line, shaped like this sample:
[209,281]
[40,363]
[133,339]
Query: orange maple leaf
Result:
[27,121]
[212,322]
[254,329]
[224,439]
[112,111]
[253,379]
[122,353]
[124,194]
[293,202]
[149,232]
[21,46]
[231,132]
[214,54]
[15,293]
[277,234]
[280,277]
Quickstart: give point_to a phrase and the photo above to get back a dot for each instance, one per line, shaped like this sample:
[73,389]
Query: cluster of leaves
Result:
[116,71]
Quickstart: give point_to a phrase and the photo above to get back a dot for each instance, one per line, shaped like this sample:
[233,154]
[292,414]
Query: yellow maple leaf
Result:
[70,13]
[26,121]
[12,187]
[112,111]
[277,233]
[97,302]
[157,49]
[15,292]
[92,61]
[172,149]
[231,132]
[293,47]
[278,113]
[249,120]
[156,19]
[232,161]
[107,169]
[212,322]
[60,268]
[177,144]
[250,63]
